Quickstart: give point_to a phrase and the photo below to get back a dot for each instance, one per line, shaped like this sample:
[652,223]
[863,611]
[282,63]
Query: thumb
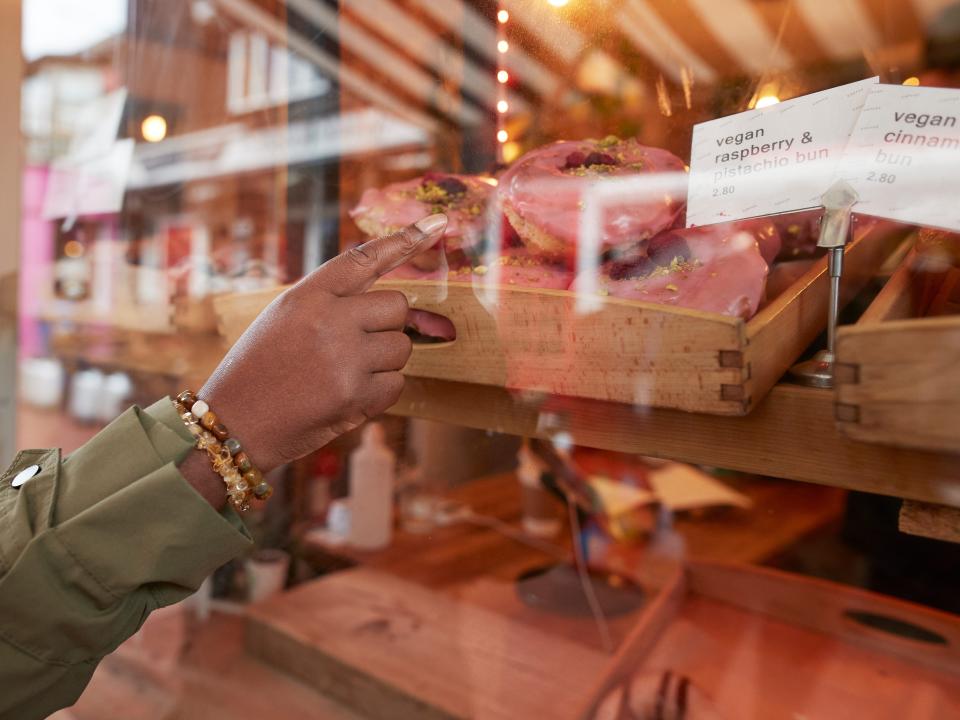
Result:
[354,271]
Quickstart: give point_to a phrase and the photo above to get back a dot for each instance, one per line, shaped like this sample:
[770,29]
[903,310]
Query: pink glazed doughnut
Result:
[716,268]
[463,198]
[542,194]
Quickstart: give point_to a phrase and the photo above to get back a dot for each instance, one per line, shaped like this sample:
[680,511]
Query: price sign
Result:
[773,160]
[903,158]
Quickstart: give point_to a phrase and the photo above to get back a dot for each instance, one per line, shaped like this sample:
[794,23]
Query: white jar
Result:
[41,382]
[117,388]
[85,389]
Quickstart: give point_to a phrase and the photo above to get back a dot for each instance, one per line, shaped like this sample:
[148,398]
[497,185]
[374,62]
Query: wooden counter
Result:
[450,558]
[791,434]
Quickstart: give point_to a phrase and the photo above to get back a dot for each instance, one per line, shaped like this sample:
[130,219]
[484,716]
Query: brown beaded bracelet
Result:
[242,479]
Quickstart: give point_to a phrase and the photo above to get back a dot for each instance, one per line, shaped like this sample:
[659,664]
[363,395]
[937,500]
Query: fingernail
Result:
[432,224]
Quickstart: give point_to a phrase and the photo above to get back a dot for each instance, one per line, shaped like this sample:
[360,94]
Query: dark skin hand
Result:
[320,360]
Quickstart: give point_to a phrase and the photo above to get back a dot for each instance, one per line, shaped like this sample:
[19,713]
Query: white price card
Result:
[903,158]
[776,159]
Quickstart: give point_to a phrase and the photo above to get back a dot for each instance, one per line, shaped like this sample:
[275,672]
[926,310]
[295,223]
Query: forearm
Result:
[199,474]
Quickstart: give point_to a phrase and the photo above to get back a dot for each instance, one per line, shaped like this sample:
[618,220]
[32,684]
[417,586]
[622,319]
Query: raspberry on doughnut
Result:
[543,194]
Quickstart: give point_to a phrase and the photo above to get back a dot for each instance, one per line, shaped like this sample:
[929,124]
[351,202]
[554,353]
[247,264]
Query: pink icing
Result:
[396,206]
[724,273]
[799,232]
[543,191]
[766,233]
[514,266]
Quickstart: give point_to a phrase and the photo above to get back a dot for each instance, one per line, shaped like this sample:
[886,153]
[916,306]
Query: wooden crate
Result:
[898,371]
[623,351]
[194,315]
[758,643]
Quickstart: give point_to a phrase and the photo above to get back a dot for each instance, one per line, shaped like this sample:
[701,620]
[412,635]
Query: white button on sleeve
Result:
[24,475]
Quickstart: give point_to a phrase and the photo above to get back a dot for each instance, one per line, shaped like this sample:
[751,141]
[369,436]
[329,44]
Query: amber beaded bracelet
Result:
[226,455]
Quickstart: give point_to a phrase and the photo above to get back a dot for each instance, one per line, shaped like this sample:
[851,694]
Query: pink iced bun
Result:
[717,268]
[766,233]
[542,194]
[462,197]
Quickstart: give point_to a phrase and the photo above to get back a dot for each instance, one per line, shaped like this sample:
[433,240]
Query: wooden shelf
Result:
[791,434]
[140,318]
[190,358]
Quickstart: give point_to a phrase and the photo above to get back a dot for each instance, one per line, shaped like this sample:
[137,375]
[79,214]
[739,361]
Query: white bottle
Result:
[372,469]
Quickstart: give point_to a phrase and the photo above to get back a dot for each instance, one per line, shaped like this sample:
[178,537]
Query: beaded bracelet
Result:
[242,479]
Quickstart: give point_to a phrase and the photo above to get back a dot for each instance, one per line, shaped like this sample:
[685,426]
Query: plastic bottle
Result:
[372,470]
[540,517]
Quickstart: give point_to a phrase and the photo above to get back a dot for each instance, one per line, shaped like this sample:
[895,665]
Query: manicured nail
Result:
[432,224]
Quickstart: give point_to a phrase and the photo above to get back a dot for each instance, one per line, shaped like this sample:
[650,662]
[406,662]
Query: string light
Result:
[766,101]
[912,81]
[503,77]
[153,128]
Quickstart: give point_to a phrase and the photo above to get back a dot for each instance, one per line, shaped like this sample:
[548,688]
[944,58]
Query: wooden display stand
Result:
[898,370]
[767,644]
[621,350]
[754,642]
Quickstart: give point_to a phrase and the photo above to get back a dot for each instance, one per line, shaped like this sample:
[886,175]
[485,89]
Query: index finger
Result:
[354,271]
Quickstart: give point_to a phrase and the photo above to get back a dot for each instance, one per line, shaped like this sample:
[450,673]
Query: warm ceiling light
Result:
[503,16]
[153,128]
[502,136]
[502,76]
[502,106]
[766,101]
[558,3]
[912,81]
[503,46]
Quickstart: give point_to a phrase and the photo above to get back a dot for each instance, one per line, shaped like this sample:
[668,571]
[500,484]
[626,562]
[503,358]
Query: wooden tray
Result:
[759,643]
[898,373]
[623,351]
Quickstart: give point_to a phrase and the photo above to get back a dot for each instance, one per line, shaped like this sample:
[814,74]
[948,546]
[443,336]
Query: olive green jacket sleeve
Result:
[90,546]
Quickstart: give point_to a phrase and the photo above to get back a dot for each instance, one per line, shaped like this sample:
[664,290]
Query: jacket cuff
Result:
[175,537]
[131,447]
[83,586]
